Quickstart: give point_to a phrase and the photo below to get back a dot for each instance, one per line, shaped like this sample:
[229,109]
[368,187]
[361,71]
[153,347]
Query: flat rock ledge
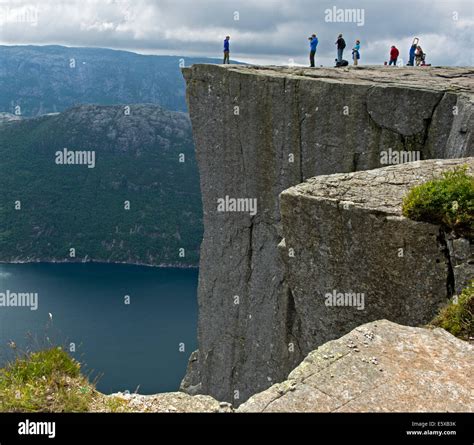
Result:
[378,367]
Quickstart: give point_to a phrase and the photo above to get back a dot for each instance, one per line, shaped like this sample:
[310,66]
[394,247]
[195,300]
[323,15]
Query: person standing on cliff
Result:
[394,53]
[227,50]
[341,44]
[411,59]
[313,44]
[356,53]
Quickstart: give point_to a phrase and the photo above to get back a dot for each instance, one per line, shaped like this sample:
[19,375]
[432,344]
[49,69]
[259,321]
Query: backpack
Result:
[341,63]
[343,43]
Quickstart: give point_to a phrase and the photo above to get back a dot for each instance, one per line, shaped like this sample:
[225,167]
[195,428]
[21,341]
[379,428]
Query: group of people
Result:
[416,56]
[340,45]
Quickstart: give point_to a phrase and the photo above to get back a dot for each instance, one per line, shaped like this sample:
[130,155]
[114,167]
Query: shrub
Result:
[447,201]
[457,316]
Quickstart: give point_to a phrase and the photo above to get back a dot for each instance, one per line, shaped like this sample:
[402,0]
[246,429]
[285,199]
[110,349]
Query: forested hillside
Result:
[47,208]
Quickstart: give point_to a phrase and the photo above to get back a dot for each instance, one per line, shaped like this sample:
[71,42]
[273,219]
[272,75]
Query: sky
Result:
[267,32]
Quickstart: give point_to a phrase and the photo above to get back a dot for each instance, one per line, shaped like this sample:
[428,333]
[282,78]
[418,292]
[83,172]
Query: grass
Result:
[51,381]
[447,201]
[457,316]
[44,381]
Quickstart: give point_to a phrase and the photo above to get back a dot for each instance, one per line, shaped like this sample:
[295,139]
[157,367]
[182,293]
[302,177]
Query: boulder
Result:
[378,367]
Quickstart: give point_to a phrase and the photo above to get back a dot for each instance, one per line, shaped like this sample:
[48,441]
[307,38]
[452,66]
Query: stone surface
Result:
[345,234]
[173,402]
[378,367]
[461,254]
[259,131]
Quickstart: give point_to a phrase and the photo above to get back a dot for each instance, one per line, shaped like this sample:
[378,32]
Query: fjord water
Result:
[127,345]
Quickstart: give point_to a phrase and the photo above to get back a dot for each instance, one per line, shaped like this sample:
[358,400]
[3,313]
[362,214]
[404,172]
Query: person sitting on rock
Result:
[419,56]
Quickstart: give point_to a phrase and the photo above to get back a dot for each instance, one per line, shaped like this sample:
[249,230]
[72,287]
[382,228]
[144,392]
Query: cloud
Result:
[262,31]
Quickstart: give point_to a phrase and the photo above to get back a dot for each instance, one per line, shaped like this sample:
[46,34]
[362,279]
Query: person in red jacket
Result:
[393,56]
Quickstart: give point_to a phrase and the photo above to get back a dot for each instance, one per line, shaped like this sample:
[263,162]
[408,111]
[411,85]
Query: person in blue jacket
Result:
[227,50]
[413,46]
[356,53]
[313,44]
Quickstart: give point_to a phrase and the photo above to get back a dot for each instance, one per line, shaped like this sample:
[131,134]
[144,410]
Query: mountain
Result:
[46,79]
[136,158]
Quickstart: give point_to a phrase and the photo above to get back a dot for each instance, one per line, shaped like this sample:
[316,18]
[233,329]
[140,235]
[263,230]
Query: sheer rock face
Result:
[378,367]
[259,131]
[353,258]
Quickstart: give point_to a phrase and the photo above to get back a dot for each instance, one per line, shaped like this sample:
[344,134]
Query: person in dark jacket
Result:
[313,44]
[341,44]
[394,53]
[227,50]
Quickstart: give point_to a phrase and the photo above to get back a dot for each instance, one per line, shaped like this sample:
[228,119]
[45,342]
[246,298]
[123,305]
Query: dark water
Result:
[129,345]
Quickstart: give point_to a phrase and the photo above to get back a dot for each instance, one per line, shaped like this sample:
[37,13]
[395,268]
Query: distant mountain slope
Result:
[73,206]
[45,79]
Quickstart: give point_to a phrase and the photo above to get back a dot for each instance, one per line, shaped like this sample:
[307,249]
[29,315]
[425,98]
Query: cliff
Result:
[259,131]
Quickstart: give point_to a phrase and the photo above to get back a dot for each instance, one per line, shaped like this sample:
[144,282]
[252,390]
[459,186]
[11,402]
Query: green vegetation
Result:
[73,206]
[447,201]
[458,316]
[51,381]
[45,381]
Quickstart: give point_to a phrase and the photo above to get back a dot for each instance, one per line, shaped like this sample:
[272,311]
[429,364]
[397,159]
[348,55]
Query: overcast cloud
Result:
[262,31]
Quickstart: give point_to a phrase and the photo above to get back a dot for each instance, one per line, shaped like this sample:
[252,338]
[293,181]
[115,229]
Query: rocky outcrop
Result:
[259,131]
[378,367]
[353,258]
